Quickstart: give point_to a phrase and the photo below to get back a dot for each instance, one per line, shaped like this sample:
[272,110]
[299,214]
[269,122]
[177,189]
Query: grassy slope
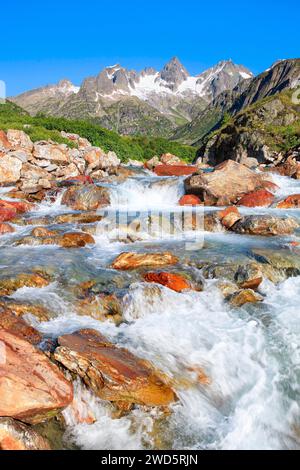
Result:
[44,128]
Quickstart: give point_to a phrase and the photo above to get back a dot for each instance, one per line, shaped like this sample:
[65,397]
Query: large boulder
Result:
[86,198]
[224,186]
[10,170]
[32,389]
[56,153]
[15,435]
[136,260]
[113,373]
[19,140]
[265,225]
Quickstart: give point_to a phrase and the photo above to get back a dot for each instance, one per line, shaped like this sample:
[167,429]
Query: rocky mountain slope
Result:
[259,134]
[283,75]
[149,102]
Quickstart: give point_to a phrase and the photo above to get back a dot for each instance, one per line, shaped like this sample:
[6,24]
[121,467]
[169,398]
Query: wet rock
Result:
[32,389]
[19,140]
[19,206]
[6,228]
[101,307]
[259,198]
[224,186]
[43,232]
[113,373]
[277,265]
[136,260]
[175,170]
[10,170]
[84,218]
[229,216]
[270,186]
[291,202]
[69,171]
[265,225]
[76,239]
[189,200]
[173,281]
[248,276]
[15,435]
[245,296]
[10,285]
[15,325]
[88,197]
[24,308]
[7,214]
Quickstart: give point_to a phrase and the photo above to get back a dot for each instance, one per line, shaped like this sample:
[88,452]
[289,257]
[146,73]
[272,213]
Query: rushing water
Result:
[251,354]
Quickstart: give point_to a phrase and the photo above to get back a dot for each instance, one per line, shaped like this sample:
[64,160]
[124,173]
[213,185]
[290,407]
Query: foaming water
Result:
[146,193]
[287,186]
[251,358]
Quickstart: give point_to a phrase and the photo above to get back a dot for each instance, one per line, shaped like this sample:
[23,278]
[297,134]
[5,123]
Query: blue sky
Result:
[42,42]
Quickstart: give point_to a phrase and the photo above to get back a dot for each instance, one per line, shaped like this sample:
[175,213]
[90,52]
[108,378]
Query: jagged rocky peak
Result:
[174,73]
[66,86]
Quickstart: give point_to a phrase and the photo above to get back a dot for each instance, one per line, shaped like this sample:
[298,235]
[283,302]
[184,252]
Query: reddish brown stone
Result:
[175,170]
[189,200]
[32,388]
[173,281]
[259,198]
[113,373]
[291,202]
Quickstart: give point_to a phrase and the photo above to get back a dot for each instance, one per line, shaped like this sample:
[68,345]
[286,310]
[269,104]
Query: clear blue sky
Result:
[42,42]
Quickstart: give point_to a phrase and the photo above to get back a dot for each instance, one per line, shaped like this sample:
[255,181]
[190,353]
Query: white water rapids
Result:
[251,355]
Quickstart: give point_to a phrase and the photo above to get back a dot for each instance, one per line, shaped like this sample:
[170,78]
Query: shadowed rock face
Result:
[265,225]
[113,373]
[32,389]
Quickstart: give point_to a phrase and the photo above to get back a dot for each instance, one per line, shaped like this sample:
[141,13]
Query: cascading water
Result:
[250,355]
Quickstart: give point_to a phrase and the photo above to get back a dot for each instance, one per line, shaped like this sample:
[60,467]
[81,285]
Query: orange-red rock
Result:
[173,281]
[175,170]
[229,216]
[259,198]
[32,388]
[189,200]
[19,206]
[75,240]
[6,228]
[7,214]
[136,260]
[113,373]
[291,202]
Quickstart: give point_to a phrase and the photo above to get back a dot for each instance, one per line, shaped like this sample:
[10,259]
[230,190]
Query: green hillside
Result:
[43,128]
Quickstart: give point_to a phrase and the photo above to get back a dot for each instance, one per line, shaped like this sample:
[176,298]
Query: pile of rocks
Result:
[36,166]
